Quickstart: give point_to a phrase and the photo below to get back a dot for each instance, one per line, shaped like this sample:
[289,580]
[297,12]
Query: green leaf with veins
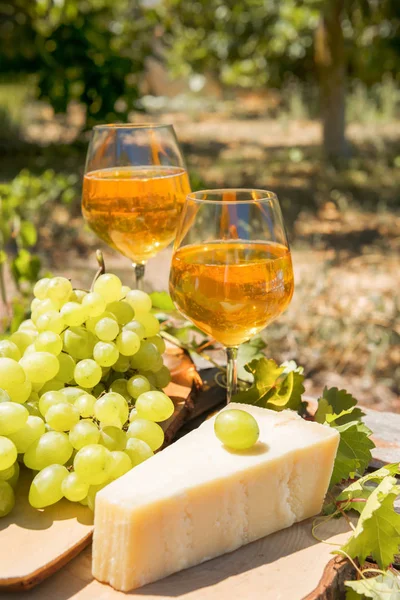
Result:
[382,587]
[361,489]
[354,451]
[247,352]
[271,388]
[334,402]
[377,533]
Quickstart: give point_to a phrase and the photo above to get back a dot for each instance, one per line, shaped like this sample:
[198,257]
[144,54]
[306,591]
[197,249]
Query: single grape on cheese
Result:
[198,499]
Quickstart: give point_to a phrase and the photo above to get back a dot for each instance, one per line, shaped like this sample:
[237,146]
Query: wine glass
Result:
[134,187]
[231,272]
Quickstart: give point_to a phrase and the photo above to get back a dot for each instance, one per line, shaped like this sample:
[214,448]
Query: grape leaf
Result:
[354,452]
[247,352]
[382,587]
[377,533]
[360,489]
[336,402]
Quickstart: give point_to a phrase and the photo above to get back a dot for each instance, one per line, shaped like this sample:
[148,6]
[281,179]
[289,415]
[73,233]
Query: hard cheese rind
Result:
[197,499]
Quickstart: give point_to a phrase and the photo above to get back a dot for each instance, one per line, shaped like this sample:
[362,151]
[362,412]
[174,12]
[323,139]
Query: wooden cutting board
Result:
[287,565]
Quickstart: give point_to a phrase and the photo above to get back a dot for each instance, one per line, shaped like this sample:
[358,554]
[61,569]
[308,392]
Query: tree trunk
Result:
[331,66]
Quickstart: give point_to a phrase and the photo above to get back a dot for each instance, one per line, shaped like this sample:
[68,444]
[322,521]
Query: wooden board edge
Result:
[331,585]
[32,579]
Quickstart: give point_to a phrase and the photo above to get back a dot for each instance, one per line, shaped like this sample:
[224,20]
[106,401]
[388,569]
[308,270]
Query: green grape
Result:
[46,487]
[154,406]
[236,429]
[121,464]
[93,464]
[53,447]
[133,415]
[84,433]
[122,365]
[73,313]
[30,349]
[120,386]
[40,366]
[107,409]
[122,311]
[94,304]
[48,341]
[138,451]
[136,327]
[159,343]
[124,290]
[9,350]
[105,353]
[85,404]
[8,453]
[78,342]
[12,417]
[29,433]
[150,377]
[128,343]
[106,329]
[139,301]
[4,396]
[40,288]
[37,387]
[50,321]
[146,357]
[11,475]
[78,295]
[156,364]
[87,373]
[150,323]
[163,377]
[33,408]
[138,385]
[67,368]
[42,307]
[54,385]
[34,304]
[84,502]
[148,431]
[20,393]
[59,290]
[109,287]
[27,325]
[7,498]
[73,488]
[113,438]
[92,322]
[11,373]
[62,416]
[72,393]
[91,497]
[22,339]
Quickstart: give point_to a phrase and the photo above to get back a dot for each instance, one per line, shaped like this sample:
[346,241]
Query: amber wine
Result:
[135,209]
[232,289]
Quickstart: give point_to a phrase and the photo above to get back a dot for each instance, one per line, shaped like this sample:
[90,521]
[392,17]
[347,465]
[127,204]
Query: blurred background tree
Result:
[260,43]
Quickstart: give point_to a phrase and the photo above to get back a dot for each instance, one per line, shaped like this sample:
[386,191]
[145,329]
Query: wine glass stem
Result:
[231,372]
[139,274]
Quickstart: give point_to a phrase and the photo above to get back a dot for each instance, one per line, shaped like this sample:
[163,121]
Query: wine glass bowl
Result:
[231,272]
[134,187]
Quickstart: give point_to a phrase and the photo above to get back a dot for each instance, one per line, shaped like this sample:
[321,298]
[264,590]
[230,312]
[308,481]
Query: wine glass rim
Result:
[133,126]
[264,196]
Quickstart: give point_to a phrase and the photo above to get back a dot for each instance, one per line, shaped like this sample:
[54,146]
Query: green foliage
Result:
[273,387]
[335,402]
[24,204]
[354,496]
[382,587]
[377,533]
[83,50]
[354,452]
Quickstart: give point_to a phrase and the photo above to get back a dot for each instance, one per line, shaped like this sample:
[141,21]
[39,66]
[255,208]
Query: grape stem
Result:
[173,340]
[102,267]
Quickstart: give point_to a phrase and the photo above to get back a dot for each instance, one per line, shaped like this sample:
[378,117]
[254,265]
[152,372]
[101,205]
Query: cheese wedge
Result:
[197,499]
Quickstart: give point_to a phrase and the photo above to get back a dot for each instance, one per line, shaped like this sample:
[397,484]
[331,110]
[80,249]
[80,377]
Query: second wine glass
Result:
[134,188]
[231,272]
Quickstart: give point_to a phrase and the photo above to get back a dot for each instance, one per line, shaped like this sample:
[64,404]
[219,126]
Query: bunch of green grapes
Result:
[80,391]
